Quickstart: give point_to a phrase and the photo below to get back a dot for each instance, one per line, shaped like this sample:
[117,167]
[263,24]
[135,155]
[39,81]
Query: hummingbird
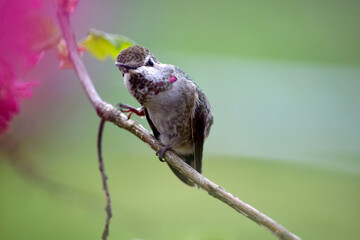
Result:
[176,109]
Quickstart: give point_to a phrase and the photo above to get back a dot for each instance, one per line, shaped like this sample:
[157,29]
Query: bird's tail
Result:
[189,159]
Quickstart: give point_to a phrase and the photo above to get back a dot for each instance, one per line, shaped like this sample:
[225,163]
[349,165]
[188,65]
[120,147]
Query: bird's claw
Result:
[124,108]
[161,152]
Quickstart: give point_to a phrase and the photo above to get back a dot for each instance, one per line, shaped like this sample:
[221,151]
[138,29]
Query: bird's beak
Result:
[119,64]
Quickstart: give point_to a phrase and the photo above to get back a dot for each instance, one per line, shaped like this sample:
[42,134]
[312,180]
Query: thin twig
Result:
[104,180]
[108,112]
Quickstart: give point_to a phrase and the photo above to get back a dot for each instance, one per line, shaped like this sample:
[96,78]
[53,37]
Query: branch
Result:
[108,113]
[79,67]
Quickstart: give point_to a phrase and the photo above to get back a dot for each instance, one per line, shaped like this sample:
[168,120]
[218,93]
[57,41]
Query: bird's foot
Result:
[161,152]
[124,108]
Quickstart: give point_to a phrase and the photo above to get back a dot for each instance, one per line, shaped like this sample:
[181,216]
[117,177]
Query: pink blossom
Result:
[68,5]
[62,54]
[27,29]
[11,90]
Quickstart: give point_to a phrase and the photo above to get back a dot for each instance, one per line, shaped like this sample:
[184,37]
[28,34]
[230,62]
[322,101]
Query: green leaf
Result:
[102,45]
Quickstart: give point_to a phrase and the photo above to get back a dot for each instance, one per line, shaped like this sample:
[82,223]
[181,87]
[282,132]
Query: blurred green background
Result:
[283,78]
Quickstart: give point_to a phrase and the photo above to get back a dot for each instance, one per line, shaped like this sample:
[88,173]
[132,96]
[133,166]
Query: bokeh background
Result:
[283,78]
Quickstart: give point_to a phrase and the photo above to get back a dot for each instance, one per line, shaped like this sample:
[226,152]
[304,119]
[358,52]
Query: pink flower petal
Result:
[68,5]
[12,90]
[27,29]
[62,54]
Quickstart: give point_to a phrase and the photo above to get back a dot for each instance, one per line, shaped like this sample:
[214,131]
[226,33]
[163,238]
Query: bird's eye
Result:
[150,62]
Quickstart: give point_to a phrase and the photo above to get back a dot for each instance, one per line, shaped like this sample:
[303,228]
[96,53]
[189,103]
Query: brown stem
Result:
[75,58]
[104,180]
[108,113]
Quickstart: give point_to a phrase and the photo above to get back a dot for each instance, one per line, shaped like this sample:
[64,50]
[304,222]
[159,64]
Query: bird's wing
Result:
[152,126]
[198,124]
